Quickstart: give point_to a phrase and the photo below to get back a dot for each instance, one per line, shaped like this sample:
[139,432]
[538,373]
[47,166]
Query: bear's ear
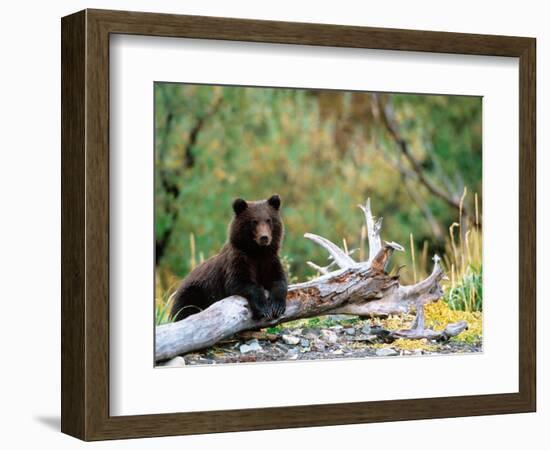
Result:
[239,205]
[274,201]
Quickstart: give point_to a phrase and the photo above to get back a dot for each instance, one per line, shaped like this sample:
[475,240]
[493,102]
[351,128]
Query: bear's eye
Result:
[268,221]
[255,222]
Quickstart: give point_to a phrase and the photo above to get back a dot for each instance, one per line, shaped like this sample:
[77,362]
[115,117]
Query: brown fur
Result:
[247,265]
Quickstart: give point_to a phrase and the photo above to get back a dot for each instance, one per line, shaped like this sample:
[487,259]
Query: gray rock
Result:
[281,347]
[350,331]
[329,336]
[253,346]
[318,345]
[366,329]
[311,334]
[244,348]
[304,342]
[178,361]
[292,353]
[290,340]
[386,352]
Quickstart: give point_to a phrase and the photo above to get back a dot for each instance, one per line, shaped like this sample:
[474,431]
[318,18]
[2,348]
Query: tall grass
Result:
[163,304]
[462,260]
[165,285]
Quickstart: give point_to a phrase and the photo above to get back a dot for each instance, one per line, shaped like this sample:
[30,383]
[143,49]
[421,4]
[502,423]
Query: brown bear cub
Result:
[248,265]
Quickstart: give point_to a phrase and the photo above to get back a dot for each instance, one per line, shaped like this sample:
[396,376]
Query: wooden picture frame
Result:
[85,224]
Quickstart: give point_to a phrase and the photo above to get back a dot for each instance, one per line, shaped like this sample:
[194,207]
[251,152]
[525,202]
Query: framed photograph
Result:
[273,225]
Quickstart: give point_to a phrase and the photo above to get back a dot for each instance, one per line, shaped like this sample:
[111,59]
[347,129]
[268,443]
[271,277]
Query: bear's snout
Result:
[263,234]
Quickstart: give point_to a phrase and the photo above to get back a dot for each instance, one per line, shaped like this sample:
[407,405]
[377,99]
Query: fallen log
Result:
[356,288]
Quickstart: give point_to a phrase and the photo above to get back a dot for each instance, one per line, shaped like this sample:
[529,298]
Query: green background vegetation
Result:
[418,157]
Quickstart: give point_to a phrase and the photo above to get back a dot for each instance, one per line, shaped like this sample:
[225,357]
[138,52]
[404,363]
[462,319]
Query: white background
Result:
[138,388]
[30,170]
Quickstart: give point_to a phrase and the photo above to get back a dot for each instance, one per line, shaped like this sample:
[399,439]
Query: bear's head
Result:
[257,225]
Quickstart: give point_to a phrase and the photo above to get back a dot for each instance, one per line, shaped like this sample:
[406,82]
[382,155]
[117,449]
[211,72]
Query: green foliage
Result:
[323,151]
[286,261]
[321,322]
[467,295]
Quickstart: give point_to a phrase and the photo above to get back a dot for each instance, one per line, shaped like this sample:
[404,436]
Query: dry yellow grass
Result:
[439,314]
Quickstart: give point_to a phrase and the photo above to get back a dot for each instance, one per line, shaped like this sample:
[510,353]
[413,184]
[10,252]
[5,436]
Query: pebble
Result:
[366,329]
[178,361]
[329,336]
[291,340]
[253,346]
[350,331]
[386,352]
[292,353]
[318,345]
[311,334]
[304,342]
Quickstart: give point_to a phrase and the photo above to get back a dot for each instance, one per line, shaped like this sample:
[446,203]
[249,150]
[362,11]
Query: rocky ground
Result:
[349,340]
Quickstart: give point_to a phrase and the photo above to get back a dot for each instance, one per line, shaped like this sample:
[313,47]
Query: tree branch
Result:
[388,120]
[340,258]
[374,227]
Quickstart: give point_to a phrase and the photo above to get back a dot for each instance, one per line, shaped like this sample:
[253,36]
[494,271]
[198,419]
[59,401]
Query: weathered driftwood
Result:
[358,288]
